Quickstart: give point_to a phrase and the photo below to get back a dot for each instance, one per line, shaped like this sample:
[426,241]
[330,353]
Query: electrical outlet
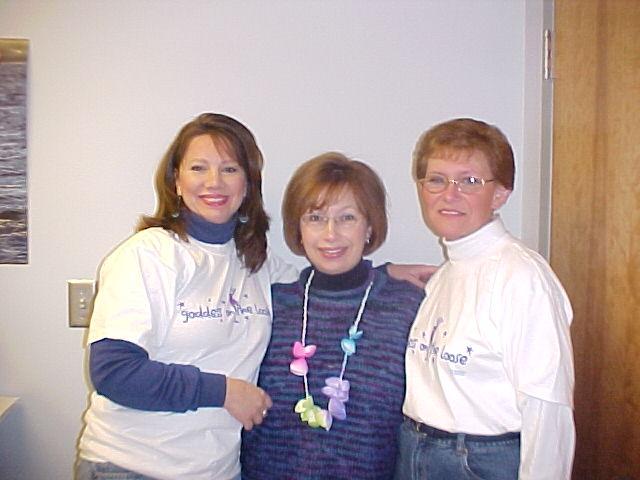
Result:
[80,294]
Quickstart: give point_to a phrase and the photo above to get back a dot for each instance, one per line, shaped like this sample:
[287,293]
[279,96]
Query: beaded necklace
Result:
[336,388]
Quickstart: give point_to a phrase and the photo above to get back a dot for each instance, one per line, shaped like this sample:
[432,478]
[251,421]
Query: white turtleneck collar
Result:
[476,243]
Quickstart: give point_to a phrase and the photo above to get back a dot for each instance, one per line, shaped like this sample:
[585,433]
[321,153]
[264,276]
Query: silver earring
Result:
[243,218]
[176,213]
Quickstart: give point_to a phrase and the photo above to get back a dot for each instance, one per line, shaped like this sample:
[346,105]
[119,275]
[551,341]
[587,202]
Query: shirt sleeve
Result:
[137,291]
[547,440]
[535,316]
[123,372]
[279,270]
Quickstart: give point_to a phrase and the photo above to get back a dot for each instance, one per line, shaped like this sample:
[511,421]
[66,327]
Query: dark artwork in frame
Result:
[13,151]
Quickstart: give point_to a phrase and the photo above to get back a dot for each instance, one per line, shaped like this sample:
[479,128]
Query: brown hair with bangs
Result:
[320,181]
[234,137]
[469,135]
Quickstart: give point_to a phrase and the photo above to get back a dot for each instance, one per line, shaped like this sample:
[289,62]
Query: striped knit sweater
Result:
[364,445]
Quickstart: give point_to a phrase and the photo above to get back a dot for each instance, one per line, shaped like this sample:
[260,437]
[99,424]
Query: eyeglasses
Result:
[317,221]
[435,183]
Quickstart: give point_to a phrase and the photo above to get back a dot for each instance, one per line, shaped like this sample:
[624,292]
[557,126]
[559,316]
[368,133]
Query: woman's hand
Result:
[246,403]
[416,274]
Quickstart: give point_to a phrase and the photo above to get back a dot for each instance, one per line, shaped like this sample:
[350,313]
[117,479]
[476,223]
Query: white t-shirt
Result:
[495,322]
[186,303]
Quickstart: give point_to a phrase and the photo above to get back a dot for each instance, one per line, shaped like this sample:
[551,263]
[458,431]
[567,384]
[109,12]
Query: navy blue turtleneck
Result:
[343,281]
[207,232]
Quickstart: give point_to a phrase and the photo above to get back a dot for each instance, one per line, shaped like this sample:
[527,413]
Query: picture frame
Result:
[13,151]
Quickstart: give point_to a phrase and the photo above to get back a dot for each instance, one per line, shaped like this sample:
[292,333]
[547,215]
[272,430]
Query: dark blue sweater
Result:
[364,445]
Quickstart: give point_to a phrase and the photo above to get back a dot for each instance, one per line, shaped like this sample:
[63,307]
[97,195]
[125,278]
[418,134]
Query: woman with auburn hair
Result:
[335,364]
[489,359]
[183,316]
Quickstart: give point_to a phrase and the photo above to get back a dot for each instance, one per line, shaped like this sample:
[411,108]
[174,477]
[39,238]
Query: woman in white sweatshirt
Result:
[489,361]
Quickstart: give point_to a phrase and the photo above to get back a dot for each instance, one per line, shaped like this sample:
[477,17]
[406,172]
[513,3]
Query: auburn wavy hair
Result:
[250,237]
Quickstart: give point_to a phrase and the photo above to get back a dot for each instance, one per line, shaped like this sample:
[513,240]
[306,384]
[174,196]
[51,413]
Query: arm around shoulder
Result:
[416,274]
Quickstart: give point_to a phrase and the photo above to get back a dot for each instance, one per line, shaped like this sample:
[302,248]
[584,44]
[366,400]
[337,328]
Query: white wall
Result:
[111,82]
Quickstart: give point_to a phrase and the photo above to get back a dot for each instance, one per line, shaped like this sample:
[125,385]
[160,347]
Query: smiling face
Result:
[335,246]
[210,180]
[452,214]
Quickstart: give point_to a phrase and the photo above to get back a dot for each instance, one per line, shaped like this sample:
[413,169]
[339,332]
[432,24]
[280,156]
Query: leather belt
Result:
[437,433]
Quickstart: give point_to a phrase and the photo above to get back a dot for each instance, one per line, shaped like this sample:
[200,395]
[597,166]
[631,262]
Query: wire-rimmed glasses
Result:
[436,183]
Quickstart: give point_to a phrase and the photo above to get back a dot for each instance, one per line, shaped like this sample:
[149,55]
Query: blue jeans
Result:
[422,456]
[86,470]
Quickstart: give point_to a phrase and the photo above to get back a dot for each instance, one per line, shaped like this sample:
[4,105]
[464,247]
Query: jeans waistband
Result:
[437,433]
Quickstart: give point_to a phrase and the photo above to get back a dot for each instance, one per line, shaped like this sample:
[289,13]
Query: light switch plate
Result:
[80,293]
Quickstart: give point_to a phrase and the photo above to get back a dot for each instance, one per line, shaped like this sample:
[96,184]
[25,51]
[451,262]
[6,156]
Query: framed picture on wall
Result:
[13,151]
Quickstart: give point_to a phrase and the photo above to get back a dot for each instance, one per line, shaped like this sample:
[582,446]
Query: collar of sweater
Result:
[354,278]
[479,242]
[208,232]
